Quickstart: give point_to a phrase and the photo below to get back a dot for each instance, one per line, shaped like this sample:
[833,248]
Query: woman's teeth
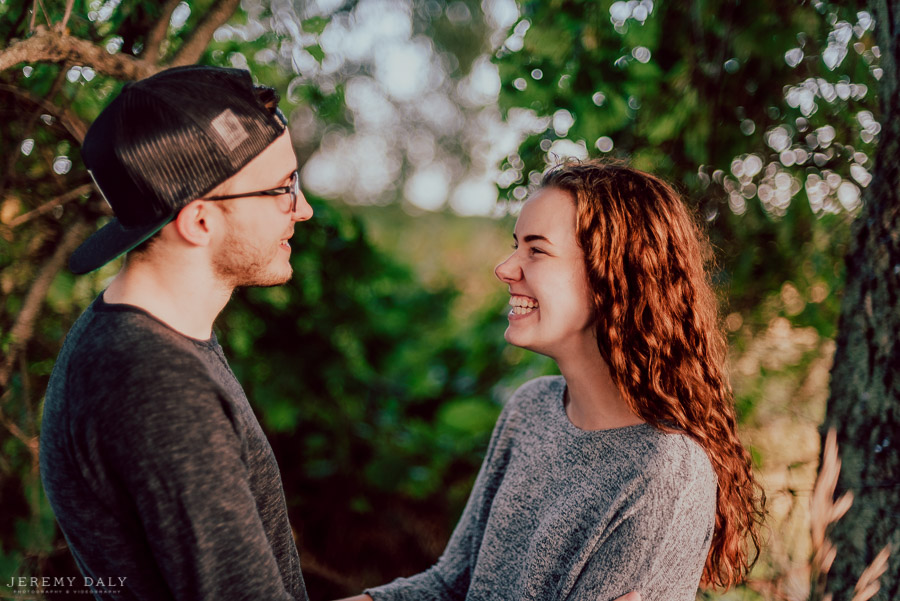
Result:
[522,305]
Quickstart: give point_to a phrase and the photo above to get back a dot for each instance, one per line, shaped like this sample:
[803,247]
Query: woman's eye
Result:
[533,250]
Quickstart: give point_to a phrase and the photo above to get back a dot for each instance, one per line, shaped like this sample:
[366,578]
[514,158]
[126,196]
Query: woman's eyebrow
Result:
[534,237]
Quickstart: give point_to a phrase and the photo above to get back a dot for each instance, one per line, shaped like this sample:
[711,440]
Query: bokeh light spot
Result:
[562,122]
[62,165]
[180,15]
[474,197]
[793,57]
[604,144]
[641,54]
[848,195]
[428,188]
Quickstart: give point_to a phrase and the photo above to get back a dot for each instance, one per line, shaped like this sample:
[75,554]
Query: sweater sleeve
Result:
[658,544]
[178,456]
[449,578]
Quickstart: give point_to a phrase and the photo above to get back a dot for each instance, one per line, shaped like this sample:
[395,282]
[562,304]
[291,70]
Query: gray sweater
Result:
[157,470]
[562,513]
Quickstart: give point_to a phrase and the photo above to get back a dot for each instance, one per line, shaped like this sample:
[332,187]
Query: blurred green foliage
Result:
[686,90]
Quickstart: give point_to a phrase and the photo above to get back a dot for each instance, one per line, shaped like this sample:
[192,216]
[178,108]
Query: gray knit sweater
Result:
[562,513]
[157,469]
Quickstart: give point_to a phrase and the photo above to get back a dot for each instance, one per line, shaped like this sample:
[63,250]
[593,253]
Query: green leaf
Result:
[314,24]
[316,51]
[472,416]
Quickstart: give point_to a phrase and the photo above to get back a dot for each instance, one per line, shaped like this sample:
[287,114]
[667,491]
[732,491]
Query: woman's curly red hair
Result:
[658,330]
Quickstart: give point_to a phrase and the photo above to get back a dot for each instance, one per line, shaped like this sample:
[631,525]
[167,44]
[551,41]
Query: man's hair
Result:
[143,249]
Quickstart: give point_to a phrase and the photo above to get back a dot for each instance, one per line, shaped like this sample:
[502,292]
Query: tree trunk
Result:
[864,406]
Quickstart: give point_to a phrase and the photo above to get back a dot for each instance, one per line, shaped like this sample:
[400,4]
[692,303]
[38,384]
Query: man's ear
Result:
[196,222]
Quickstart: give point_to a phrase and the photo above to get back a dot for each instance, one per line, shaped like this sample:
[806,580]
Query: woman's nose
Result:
[508,270]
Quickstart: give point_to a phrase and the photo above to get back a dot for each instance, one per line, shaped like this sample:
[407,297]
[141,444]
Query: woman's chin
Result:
[511,337]
[516,339]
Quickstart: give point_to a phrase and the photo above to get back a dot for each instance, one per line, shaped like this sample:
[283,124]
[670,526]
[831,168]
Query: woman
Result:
[625,473]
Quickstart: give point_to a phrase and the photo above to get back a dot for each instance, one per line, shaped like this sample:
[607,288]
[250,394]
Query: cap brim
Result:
[108,243]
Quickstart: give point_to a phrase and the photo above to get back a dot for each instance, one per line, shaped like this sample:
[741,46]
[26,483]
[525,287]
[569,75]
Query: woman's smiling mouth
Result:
[522,306]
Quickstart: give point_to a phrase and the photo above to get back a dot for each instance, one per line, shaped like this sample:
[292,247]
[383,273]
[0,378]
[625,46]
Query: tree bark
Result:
[51,46]
[156,35]
[864,404]
[196,44]
[69,120]
[23,328]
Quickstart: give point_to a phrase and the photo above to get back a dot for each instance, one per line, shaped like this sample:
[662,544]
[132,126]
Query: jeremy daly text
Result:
[68,581]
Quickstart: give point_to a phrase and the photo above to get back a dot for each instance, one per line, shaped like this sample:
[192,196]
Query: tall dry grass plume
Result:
[825,511]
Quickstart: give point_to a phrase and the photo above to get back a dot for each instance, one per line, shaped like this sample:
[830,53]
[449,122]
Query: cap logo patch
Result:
[228,127]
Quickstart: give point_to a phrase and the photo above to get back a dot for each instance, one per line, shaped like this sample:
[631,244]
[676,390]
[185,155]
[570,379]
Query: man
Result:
[159,474]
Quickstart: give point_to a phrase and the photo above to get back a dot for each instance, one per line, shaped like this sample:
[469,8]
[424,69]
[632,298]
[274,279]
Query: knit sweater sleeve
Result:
[449,578]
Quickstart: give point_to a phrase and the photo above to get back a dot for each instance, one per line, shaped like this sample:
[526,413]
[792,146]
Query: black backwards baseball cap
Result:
[167,140]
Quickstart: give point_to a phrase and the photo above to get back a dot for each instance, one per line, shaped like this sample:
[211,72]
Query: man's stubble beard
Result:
[241,264]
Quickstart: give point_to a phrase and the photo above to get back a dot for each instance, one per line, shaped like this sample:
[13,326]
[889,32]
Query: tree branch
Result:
[153,43]
[29,442]
[23,328]
[44,10]
[192,49]
[72,122]
[61,26]
[7,173]
[54,46]
[34,7]
[50,204]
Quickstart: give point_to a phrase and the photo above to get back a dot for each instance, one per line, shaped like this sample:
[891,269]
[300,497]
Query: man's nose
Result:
[303,211]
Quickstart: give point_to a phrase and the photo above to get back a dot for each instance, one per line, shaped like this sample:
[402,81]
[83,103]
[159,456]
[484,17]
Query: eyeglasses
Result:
[293,188]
